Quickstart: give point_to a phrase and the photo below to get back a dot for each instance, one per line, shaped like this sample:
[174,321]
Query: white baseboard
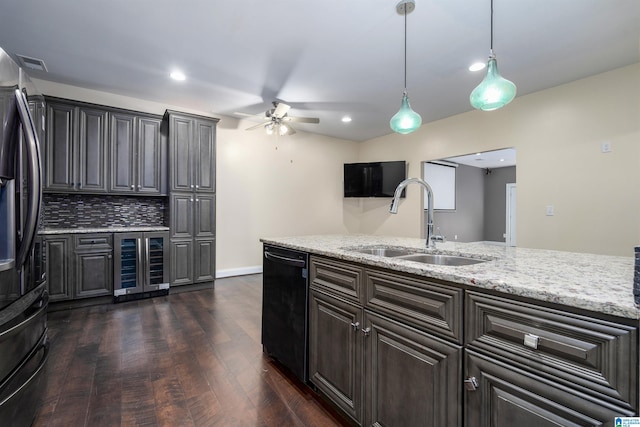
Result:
[256,269]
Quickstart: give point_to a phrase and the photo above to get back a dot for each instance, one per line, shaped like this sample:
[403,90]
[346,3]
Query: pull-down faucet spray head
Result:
[396,200]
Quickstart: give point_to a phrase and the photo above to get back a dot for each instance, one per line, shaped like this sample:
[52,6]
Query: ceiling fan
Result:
[277,120]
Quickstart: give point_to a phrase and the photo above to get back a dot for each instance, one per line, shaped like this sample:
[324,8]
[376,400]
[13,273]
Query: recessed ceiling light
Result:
[502,160]
[178,75]
[346,119]
[477,66]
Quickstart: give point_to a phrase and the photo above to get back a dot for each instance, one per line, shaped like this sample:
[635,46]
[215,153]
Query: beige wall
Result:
[557,134]
[270,186]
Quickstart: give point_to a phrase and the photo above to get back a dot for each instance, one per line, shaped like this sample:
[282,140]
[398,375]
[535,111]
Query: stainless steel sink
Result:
[439,259]
[384,251]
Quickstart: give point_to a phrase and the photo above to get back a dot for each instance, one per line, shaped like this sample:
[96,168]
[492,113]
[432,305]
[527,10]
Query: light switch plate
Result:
[605,146]
[550,211]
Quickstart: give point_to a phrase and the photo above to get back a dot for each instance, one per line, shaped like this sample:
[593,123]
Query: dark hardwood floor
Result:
[187,359]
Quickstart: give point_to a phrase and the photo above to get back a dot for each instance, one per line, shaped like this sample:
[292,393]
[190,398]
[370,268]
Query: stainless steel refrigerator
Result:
[23,297]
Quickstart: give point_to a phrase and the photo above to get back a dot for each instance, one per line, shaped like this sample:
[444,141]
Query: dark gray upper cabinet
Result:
[138,155]
[97,149]
[151,157]
[193,152]
[123,153]
[75,149]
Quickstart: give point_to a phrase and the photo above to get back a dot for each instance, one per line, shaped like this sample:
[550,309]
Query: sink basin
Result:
[437,259]
[383,251]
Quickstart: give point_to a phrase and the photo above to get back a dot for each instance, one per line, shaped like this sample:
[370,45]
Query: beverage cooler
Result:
[141,265]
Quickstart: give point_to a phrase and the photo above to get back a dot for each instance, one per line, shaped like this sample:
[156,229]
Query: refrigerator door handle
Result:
[34,181]
[42,345]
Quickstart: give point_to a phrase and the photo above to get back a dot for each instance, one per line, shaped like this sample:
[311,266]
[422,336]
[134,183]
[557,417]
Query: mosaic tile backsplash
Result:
[86,211]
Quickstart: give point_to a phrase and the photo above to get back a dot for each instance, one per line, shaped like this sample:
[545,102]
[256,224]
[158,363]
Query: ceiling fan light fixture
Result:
[494,91]
[269,128]
[405,120]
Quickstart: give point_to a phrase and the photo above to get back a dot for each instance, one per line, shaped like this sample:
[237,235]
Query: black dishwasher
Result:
[285,293]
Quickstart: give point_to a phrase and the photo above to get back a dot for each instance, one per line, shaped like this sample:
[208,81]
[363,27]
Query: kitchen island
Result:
[526,337]
[592,282]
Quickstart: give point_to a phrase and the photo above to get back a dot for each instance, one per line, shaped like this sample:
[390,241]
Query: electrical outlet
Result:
[550,210]
[605,146]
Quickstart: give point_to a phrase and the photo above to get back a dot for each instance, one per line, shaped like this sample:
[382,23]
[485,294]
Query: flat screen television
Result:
[374,179]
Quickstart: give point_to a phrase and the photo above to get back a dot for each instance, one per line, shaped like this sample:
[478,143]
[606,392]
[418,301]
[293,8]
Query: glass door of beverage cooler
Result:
[157,261]
[141,262]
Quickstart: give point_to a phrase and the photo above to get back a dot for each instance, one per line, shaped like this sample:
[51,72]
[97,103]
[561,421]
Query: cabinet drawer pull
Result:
[531,341]
[471,384]
[366,332]
[355,326]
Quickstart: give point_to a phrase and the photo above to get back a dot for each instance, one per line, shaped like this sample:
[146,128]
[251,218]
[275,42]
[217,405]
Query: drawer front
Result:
[508,396]
[339,278]
[420,303]
[94,241]
[595,356]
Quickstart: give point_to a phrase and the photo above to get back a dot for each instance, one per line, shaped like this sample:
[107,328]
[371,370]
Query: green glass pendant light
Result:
[405,120]
[494,91]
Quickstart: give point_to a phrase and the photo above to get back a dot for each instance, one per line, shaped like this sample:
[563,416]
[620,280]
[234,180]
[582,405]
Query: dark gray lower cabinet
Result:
[205,260]
[93,265]
[510,396]
[79,265]
[379,371]
[335,351]
[58,267]
[411,378]
[403,358]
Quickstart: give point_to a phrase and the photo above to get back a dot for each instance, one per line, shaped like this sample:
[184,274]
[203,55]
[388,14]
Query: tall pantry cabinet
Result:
[192,191]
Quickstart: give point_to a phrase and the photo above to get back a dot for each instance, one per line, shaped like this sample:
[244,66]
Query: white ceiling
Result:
[326,58]
[488,159]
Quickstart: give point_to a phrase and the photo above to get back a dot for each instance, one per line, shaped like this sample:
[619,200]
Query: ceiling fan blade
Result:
[281,110]
[290,129]
[259,125]
[302,119]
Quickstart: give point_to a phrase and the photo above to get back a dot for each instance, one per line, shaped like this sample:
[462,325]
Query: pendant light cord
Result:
[405,47]
[491,49]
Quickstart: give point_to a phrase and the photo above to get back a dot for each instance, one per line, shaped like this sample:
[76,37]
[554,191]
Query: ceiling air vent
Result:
[32,63]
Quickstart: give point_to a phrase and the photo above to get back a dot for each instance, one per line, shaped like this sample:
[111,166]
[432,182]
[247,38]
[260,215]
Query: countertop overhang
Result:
[50,231]
[599,283]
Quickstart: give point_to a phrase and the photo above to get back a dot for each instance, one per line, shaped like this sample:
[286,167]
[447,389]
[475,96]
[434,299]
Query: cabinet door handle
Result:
[366,332]
[197,186]
[133,186]
[355,326]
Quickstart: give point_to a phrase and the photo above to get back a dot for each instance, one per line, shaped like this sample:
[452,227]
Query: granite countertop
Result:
[599,283]
[47,231]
